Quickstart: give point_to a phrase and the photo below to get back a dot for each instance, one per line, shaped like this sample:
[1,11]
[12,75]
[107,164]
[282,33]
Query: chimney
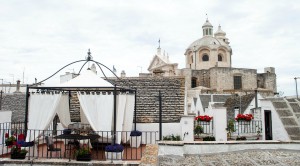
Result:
[18,87]
[123,74]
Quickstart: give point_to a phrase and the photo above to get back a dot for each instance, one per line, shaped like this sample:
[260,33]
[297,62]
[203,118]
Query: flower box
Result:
[85,157]
[18,155]
[242,117]
[113,155]
[135,141]
[204,118]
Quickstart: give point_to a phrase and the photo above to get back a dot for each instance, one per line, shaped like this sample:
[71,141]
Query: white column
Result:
[187,127]
[220,123]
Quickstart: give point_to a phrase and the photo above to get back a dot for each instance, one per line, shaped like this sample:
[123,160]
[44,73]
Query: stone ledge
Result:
[60,162]
[182,143]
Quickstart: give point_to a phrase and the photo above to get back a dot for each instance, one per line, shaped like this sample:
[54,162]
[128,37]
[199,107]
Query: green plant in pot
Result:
[198,130]
[230,128]
[83,153]
[17,152]
[9,140]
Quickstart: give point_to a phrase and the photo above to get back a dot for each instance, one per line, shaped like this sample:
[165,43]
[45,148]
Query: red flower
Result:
[246,117]
[205,118]
[21,137]
[6,135]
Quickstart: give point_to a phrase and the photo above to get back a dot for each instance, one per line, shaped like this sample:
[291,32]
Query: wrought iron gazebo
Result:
[115,90]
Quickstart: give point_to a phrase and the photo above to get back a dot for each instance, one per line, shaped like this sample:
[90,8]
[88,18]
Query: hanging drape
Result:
[63,111]
[121,105]
[41,112]
[98,109]
[128,117]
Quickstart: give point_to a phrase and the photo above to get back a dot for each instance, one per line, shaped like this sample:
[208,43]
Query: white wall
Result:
[187,127]
[220,123]
[278,130]
[167,129]
[5,116]
[252,104]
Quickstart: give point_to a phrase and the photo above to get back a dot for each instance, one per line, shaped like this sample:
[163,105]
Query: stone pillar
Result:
[187,127]
[220,123]
[18,87]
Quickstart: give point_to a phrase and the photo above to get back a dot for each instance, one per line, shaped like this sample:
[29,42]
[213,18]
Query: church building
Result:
[208,67]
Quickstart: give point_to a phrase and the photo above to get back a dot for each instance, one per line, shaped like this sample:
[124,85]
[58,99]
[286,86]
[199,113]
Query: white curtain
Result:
[98,109]
[128,116]
[42,109]
[63,111]
[121,106]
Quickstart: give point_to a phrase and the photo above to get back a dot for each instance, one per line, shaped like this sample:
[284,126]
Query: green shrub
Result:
[241,138]
[171,138]
[198,130]
[209,138]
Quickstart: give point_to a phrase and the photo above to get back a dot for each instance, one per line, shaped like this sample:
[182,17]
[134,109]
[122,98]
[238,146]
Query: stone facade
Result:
[147,104]
[16,103]
[172,90]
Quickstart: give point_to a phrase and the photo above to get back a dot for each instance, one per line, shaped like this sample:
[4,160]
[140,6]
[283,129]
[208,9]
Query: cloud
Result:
[43,36]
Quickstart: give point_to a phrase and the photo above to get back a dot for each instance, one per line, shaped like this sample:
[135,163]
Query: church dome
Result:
[207,41]
[207,24]
[220,32]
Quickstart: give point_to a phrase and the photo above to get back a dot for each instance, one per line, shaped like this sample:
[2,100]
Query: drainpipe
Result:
[256,104]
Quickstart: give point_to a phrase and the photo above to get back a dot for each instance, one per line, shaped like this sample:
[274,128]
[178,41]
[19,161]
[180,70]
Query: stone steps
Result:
[289,112]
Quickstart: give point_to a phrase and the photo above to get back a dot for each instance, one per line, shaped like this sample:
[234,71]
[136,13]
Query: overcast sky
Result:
[38,37]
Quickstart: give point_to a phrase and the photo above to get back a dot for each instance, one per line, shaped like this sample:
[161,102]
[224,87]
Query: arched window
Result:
[194,82]
[205,57]
[220,58]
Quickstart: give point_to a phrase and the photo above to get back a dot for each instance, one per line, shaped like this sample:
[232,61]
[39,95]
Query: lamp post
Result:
[296,86]
[2,84]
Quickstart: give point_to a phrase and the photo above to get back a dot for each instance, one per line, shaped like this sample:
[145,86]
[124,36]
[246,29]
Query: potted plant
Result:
[135,139]
[17,152]
[114,151]
[209,138]
[230,128]
[9,140]
[198,130]
[171,138]
[242,138]
[83,153]
[244,117]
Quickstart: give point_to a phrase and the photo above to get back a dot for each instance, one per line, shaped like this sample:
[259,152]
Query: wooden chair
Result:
[51,148]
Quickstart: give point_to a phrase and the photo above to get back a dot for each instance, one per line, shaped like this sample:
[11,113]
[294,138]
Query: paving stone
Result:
[239,158]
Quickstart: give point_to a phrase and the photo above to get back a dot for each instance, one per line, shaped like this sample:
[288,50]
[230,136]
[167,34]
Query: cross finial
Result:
[89,55]
[206,16]
[159,43]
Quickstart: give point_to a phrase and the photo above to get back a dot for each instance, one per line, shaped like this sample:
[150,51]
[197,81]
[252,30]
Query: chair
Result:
[51,148]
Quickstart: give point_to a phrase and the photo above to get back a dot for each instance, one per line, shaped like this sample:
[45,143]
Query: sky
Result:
[39,37]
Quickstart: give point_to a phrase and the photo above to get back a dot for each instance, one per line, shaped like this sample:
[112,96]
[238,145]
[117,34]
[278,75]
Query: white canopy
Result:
[97,108]
[86,79]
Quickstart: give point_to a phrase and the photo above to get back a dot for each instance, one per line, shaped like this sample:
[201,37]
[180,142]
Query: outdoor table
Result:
[76,137]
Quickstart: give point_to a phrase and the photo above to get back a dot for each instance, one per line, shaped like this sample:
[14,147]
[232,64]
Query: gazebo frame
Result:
[115,90]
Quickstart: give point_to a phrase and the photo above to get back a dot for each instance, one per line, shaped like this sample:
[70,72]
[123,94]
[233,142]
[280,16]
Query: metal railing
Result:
[67,147]
[207,126]
[248,127]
